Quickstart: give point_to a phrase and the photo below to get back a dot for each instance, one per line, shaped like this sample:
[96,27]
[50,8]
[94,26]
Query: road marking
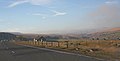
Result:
[62,52]
[13,52]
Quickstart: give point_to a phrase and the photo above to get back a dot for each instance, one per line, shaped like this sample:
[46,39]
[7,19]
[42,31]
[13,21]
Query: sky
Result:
[55,16]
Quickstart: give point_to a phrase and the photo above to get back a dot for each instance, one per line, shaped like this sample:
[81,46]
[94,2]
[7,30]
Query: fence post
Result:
[77,45]
[42,43]
[32,42]
[29,42]
[46,44]
[35,42]
[51,44]
[67,44]
[58,44]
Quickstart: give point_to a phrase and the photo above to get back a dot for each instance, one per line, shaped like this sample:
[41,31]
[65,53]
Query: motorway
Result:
[12,52]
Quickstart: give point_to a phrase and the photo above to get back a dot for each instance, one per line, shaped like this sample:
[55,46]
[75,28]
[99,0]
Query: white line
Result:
[13,52]
[62,52]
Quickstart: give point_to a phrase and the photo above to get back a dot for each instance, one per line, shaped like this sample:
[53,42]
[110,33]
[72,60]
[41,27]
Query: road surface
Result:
[13,52]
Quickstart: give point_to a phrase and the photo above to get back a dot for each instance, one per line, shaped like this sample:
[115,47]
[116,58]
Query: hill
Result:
[105,34]
[7,36]
[113,33]
[113,29]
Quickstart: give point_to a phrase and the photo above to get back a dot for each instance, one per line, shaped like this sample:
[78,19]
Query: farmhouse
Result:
[40,38]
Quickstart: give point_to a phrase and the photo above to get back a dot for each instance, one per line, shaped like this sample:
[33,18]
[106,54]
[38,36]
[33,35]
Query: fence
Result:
[71,44]
[59,44]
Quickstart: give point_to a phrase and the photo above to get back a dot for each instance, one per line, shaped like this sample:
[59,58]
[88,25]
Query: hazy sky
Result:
[50,16]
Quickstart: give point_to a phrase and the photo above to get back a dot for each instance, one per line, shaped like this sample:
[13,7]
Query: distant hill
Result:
[15,33]
[113,33]
[105,34]
[7,36]
[51,36]
[113,29]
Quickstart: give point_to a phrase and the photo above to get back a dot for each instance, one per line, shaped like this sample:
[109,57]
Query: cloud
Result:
[43,16]
[37,14]
[17,3]
[111,2]
[33,2]
[106,16]
[56,13]
[39,2]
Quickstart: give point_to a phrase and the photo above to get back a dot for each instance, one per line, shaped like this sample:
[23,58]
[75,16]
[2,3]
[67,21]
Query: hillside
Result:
[114,29]
[113,33]
[7,36]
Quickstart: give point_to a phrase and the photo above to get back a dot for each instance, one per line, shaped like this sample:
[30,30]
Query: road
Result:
[13,52]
